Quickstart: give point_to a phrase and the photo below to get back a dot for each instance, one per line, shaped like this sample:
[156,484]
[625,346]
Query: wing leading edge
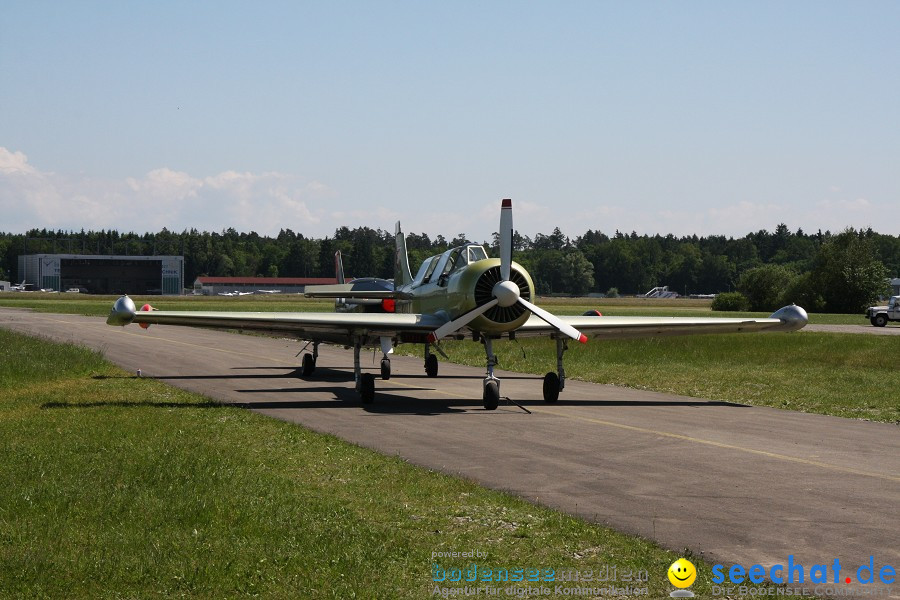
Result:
[340,328]
[789,318]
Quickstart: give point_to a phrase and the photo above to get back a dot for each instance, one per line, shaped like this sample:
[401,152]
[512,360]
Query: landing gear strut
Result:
[491,393]
[365,382]
[386,348]
[555,382]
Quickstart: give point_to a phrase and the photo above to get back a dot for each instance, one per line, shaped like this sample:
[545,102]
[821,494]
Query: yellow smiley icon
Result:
[682,573]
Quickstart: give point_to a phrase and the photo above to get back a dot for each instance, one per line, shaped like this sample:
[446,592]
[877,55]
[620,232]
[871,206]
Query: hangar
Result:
[99,274]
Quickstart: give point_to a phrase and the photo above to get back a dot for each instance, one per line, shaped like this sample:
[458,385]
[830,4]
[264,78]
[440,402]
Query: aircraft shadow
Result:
[345,397]
[388,399]
[394,400]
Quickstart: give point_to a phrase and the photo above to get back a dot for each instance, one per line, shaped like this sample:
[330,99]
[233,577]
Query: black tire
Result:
[309,365]
[879,320]
[551,387]
[431,365]
[367,388]
[385,368]
[491,395]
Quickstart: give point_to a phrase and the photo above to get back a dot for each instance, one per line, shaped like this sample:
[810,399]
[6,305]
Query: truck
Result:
[880,315]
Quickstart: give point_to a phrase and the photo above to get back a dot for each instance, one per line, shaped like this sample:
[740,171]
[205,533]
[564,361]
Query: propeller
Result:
[505,292]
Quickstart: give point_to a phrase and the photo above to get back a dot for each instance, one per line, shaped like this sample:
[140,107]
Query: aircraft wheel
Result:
[385,368]
[551,387]
[367,388]
[491,395]
[879,320]
[431,365]
[309,365]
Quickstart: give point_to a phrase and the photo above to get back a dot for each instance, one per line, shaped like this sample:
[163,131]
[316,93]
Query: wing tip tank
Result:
[792,317]
[122,312]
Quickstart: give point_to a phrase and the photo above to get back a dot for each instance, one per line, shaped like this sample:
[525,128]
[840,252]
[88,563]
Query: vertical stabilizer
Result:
[402,274]
[338,267]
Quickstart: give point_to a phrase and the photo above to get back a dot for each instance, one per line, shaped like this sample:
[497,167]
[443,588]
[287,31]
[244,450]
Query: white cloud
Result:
[264,202]
[14,163]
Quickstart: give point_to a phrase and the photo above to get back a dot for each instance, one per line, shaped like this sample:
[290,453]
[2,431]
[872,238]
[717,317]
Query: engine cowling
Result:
[477,283]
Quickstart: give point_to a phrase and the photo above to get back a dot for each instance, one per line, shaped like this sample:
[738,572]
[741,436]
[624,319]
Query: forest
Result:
[591,263]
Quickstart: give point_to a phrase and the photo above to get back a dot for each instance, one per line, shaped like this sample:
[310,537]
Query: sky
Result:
[695,117]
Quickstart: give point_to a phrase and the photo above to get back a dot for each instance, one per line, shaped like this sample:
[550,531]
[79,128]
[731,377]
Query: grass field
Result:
[115,487]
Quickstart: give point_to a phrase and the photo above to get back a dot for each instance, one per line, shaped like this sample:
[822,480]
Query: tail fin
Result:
[402,274]
[338,267]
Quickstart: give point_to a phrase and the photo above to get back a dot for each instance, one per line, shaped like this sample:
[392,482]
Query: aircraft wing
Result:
[789,318]
[338,328]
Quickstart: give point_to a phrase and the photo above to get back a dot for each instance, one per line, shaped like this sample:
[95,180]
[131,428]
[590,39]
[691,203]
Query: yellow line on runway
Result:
[694,440]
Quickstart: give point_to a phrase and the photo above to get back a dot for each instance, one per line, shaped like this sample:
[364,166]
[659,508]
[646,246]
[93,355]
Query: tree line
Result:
[807,265]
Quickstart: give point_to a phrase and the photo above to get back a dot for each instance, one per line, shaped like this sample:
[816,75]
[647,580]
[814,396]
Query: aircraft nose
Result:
[506,293]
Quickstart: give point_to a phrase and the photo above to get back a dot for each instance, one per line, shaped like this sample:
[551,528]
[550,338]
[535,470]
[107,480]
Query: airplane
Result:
[20,287]
[234,293]
[268,291]
[458,294]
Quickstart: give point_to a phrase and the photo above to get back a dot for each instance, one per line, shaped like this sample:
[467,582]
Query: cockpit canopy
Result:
[435,267]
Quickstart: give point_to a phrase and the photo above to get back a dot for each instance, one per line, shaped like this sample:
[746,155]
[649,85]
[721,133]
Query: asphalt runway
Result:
[735,484]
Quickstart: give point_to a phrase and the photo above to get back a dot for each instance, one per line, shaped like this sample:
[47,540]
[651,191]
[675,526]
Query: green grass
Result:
[116,487]
[853,376]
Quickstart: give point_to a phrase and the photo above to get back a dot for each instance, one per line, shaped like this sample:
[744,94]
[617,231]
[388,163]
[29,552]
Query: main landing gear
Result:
[553,382]
[386,348]
[365,382]
[431,363]
[309,361]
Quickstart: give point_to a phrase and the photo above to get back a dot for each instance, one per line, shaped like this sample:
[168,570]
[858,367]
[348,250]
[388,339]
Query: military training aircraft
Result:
[458,294]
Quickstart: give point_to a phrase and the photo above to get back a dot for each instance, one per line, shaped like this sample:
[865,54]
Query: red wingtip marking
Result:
[146,308]
[431,339]
[507,203]
[583,339]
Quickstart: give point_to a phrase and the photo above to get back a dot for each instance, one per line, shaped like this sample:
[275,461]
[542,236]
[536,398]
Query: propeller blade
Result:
[555,321]
[460,322]
[506,238]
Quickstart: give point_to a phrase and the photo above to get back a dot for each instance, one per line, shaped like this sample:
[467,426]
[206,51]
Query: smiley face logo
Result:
[682,573]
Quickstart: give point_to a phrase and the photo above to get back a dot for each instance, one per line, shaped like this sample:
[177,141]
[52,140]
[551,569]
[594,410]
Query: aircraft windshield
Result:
[456,260]
[476,253]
